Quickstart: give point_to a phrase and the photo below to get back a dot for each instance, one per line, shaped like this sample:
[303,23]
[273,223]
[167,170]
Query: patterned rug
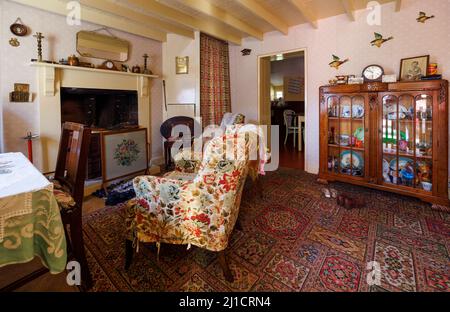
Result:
[293,239]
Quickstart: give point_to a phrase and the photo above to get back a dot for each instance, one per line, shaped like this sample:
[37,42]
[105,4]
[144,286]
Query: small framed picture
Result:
[414,68]
[182,65]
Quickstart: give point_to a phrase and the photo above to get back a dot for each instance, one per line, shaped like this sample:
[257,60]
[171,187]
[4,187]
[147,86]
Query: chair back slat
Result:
[72,159]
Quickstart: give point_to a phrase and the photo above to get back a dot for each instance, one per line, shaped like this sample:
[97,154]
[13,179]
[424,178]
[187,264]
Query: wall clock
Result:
[373,73]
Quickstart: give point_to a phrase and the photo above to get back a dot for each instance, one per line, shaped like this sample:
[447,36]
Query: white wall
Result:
[182,90]
[337,35]
[60,42]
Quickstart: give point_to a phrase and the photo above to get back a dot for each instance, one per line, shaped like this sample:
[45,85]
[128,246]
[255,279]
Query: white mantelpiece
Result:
[52,77]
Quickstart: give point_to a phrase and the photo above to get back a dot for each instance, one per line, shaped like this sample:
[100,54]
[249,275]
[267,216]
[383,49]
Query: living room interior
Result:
[224,146]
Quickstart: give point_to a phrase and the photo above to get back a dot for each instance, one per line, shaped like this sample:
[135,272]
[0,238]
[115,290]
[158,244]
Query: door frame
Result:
[305,52]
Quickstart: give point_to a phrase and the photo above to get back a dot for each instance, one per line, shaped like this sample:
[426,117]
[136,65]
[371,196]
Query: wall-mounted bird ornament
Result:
[423,17]
[336,63]
[378,42]
[246,52]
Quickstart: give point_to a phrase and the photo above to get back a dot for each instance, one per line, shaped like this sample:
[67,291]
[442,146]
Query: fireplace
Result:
[53,80]
[100,108]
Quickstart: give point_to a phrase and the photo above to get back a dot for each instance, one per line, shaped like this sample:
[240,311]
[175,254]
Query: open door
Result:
[264,96]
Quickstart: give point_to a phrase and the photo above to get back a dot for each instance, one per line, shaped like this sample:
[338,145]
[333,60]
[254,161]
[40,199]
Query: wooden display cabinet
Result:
[391,137]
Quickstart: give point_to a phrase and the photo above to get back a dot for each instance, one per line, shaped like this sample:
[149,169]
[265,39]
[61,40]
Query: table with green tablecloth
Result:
[30,220]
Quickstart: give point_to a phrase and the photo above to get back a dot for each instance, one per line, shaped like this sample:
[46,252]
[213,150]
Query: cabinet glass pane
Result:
[406,125]
[357,136]
[357,133]
[390,138]
[424,141]
[345,130]
[346,135]
[333,134]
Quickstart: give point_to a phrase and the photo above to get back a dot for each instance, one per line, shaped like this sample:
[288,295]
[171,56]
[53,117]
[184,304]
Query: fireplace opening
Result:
[100,109]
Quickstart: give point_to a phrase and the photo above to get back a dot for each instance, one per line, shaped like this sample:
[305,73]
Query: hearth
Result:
[102,110]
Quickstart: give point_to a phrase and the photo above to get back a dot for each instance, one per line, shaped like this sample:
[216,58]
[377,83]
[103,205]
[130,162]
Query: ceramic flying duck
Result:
[336,63]
[378,42]
[423,17]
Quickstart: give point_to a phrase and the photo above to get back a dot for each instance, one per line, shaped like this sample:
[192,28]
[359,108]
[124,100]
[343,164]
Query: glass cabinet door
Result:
[346,135]
[407,141]
[424,141]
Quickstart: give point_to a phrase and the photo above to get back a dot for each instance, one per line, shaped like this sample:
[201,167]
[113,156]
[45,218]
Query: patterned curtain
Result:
[215,99]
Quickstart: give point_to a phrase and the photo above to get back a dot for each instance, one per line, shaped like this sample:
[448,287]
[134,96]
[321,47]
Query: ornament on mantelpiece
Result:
[423,17]
[39,38]
[136,69]
[379,40]
[336,63]
[146,71]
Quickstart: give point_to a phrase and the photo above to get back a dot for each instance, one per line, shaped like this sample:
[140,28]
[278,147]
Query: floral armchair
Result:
[198,206]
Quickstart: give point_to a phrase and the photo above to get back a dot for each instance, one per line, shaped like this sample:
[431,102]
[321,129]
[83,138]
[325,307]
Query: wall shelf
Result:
[89,69]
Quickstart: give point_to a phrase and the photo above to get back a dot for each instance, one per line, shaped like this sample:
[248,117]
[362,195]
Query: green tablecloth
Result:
[40,233]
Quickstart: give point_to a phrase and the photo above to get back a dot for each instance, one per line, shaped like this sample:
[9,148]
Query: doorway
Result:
[282,102]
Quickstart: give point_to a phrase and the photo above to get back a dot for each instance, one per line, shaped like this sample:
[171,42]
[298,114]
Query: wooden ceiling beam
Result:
[122,11]
[97,17]
[305,10]
[256,8]
[212,28]
[211,10]
[349,6]
[398,5]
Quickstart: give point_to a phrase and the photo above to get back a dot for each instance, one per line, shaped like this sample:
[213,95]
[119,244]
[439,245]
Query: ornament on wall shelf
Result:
[14,42]
[246,52]
[21,93]
[336,63]
[379,40]
[423,17]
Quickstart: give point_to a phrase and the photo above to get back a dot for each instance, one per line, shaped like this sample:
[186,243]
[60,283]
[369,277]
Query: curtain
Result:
[215,98]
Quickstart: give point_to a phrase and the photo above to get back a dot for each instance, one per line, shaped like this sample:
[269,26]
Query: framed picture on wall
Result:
[182,65]
[414,68]
[124,153]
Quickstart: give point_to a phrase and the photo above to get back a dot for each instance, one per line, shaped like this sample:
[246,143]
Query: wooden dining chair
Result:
[290,123]
[69,178]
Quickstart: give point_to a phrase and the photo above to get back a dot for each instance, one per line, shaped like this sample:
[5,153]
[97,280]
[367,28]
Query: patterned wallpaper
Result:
[337,35]
[18,118]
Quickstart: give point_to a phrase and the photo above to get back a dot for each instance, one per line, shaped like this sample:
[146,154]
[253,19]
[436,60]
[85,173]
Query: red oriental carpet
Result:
[293,239]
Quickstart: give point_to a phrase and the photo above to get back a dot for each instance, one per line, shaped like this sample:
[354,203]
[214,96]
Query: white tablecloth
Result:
[17,187]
